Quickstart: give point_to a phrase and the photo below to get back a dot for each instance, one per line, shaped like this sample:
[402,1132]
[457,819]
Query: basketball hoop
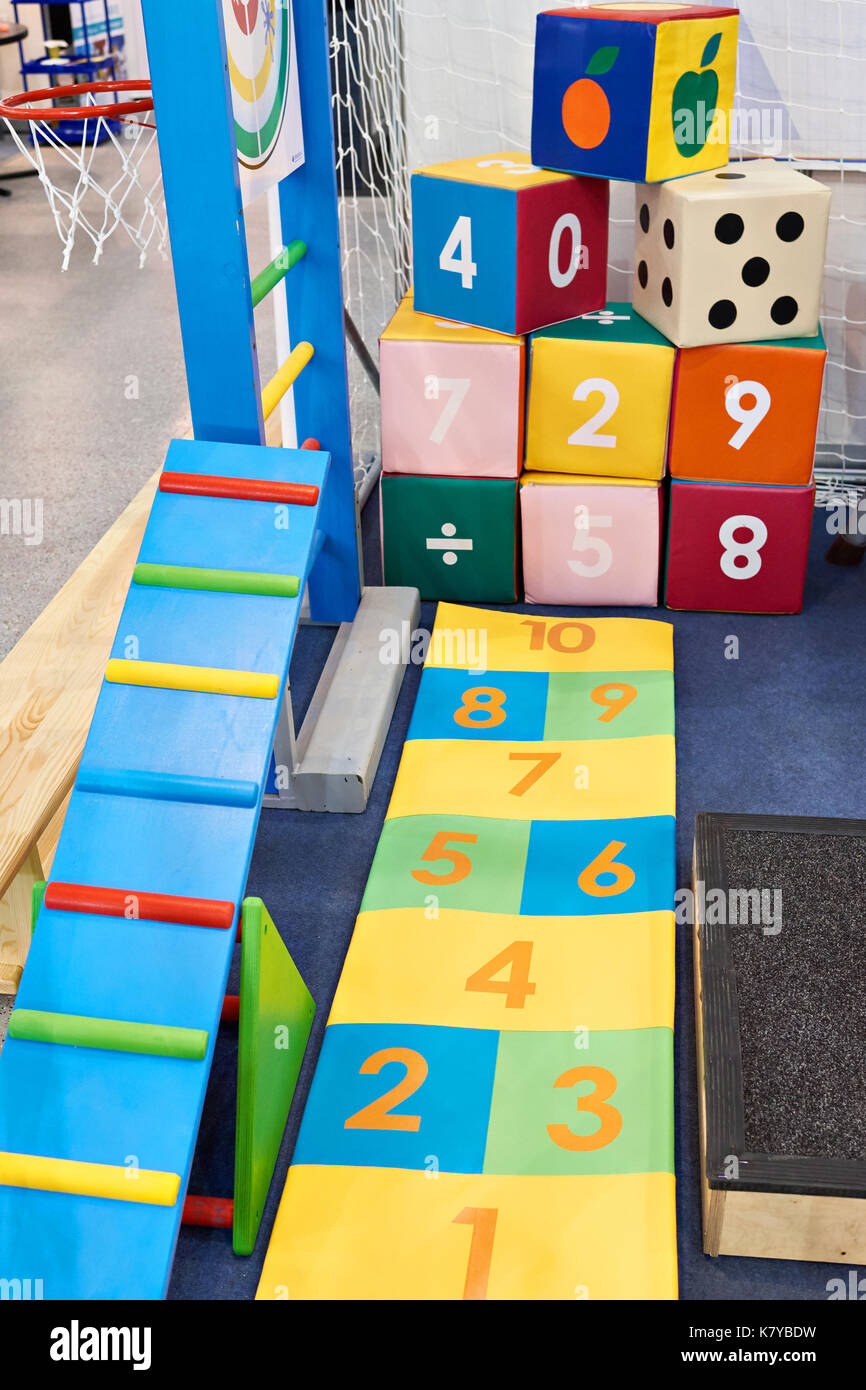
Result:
[133,200]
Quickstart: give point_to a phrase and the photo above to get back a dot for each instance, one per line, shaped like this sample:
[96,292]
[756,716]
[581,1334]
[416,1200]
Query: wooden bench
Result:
[48,688]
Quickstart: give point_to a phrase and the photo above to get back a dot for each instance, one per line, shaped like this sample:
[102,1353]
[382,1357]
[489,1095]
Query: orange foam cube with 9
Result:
[747,412]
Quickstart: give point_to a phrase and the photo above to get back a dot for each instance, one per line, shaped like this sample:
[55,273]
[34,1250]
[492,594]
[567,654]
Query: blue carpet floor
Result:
[779,730]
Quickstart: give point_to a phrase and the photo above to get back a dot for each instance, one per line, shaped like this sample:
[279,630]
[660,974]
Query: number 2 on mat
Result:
[483,1223]
[377,1115]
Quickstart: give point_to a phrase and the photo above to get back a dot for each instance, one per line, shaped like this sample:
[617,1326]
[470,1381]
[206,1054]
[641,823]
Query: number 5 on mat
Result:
[461,864]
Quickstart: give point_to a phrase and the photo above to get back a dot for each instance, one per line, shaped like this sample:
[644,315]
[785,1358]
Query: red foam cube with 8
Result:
[737,548]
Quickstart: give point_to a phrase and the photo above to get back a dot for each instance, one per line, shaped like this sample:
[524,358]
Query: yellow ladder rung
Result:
[285,377]
[206,680]
[78,1179]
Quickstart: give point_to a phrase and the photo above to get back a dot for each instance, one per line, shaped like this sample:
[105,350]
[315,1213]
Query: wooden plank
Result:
[15,922]
[49,683]
[712,1199]
[794,1226]
[47,842]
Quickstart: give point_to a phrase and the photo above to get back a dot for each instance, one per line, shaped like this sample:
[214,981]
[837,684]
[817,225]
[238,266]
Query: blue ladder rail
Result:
[147,816]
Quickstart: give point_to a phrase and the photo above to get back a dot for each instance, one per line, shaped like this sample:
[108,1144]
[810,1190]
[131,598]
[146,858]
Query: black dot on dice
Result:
[667,292]
[784,310]
[722,313]
[755,271]
[729,228]
[669,234]
[644,218]
[789,226]
[642,274]
[730,176]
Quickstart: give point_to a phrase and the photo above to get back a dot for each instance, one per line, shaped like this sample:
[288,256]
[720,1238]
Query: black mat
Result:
[784,999]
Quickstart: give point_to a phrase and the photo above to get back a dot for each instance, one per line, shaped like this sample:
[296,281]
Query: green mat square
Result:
[493,884]
[526,1100]
[573,713]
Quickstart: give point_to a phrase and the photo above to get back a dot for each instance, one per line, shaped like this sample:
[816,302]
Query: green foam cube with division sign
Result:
[451,538]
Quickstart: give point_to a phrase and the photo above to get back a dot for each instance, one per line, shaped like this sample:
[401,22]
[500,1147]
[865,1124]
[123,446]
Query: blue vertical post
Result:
[314,295]
[186,52]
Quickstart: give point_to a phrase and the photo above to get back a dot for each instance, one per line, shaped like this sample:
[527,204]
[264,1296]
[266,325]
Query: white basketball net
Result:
[84,203]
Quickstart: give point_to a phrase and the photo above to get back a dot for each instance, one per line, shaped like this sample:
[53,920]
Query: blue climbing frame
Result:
[192,102]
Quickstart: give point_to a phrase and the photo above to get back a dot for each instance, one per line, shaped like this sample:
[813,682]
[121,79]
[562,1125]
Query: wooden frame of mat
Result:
[781,1206]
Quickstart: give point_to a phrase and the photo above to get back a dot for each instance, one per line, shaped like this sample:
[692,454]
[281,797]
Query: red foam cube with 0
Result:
[737,548]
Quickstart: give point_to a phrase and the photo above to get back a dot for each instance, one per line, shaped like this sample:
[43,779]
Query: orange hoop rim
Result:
[18,107]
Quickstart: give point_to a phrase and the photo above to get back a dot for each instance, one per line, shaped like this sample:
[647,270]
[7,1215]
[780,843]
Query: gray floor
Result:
[92,388]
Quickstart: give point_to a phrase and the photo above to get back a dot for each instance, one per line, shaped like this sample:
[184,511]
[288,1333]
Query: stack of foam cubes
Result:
[658,448]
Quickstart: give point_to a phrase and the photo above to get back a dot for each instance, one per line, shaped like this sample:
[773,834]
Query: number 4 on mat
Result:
[518,985]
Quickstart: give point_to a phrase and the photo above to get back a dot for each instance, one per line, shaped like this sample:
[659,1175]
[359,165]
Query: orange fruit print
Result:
[585,107]
[586,113]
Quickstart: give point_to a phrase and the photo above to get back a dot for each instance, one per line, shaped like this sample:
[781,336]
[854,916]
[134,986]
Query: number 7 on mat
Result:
[544,762]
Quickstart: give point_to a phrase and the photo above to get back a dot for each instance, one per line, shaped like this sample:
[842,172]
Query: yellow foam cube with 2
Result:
[599,396]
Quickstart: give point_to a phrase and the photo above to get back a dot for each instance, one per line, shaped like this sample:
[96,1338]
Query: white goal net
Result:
[418,81]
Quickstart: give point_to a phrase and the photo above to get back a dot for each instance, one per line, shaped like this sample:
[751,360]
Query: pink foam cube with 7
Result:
[451,398]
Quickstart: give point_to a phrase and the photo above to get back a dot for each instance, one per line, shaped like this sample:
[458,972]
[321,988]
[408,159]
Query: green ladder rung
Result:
[278,268]
[112,1034]
[219,581]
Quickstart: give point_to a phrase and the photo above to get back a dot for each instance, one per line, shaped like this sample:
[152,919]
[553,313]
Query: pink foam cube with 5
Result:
[592,542]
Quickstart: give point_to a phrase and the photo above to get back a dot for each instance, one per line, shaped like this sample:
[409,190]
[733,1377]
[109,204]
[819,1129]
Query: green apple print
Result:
[694,103]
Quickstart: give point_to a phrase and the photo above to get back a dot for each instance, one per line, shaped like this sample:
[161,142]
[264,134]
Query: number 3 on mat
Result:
[609,1118]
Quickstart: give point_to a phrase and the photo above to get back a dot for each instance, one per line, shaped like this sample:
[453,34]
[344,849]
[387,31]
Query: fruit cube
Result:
[634,91]
[502,244]
[735,256]
[451,397]
[737,548]
[599,396]
[747,412]
[590,541]
[451,538]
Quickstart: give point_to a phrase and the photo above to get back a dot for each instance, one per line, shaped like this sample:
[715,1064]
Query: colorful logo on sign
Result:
[258,42]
